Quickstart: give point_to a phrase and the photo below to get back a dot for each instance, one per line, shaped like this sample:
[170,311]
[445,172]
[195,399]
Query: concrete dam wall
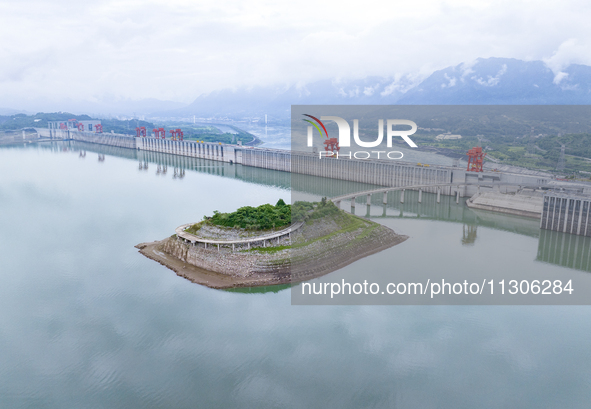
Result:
[374,172]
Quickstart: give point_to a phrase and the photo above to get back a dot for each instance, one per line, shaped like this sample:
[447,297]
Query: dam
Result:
[555,247]
[390,173]
[561,210]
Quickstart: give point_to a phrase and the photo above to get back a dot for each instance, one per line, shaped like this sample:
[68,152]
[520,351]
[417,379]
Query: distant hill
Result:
[276,101]
[501,81]
[495,81]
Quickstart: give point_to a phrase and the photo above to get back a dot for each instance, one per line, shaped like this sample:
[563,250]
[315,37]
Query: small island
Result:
[269,245]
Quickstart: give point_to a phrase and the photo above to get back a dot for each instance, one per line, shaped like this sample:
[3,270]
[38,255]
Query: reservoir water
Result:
[88,322]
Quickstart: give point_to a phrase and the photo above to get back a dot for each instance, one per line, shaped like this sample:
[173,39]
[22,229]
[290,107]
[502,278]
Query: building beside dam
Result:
[567,212]
[62,129]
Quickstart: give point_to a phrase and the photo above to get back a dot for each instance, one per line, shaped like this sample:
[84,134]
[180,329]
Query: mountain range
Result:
[498,81]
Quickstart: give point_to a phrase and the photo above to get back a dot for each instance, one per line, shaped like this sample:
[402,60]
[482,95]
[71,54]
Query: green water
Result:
[87,322]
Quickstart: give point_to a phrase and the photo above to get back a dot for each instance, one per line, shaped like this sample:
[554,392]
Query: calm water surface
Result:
[87,322]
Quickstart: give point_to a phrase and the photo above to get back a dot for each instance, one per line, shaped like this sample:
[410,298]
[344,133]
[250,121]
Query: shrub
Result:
[263,217]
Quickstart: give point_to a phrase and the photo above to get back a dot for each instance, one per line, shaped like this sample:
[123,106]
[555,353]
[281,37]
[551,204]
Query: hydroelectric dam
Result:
[389,173]
[384,172]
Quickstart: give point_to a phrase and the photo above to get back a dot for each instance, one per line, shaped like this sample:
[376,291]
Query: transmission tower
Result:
[560,165]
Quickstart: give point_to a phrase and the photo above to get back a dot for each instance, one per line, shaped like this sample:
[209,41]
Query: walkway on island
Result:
[193,239]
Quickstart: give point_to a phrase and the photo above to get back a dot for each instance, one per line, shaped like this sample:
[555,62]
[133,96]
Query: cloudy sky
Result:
[175,50]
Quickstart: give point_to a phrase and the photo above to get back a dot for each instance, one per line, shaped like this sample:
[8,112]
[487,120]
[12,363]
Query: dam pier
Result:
[382,172]
[392,175]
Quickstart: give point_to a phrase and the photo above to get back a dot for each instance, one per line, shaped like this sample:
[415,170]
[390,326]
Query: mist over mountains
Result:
[485,81]
[497,81]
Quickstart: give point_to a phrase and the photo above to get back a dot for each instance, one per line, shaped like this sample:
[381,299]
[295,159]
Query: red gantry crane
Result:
[141,131]
[159,133]
[176,133]
[475,159]
[331,145]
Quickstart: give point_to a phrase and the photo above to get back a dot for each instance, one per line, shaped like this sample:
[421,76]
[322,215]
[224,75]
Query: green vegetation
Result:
[305,210]
[40,120]
[312,212]
[525,136]
[125,127]
[194,228]
[542,152]
[520,135]
[263,217]
[206,133]
[209,132]
[18,121]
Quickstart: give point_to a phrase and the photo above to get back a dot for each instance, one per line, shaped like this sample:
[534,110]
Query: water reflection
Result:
[161,170]
[88,322]
[554,247]
[259,290]
[179,173]
[566,250]
[469,234]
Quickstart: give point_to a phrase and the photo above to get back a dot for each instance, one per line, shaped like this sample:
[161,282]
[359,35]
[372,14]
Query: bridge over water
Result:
[438,186]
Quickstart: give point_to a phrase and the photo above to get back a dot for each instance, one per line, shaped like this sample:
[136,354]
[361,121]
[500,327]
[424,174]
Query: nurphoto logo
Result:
[333,145]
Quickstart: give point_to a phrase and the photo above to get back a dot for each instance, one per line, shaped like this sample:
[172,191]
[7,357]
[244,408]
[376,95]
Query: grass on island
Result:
[264,217]
[267,217]
[312,211]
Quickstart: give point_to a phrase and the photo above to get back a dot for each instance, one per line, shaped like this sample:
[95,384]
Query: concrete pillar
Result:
[580,217]
[458,195]
[385,199]
[369,199]
[566,215]
[249,245]
[367,211]
[205,245]
[233,248]
[438,194]
[587,218]
[353,202]
[402,196]
[218,248]
[384,210]
[420,195]
[338,204]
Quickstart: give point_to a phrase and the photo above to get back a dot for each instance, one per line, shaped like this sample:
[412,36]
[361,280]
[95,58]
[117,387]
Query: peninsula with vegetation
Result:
[269,244]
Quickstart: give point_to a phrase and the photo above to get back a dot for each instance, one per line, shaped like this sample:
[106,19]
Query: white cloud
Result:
[403,83]
[559,77]
[571,51]
[490,80]
[57,50]
[451,81]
